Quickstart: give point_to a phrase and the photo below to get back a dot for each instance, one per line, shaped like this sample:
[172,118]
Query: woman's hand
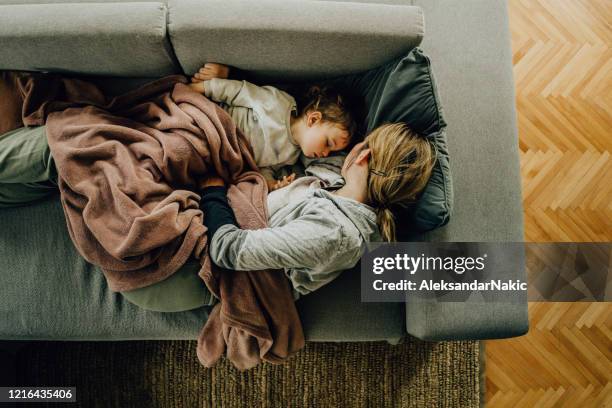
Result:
[213,181]
[210,70]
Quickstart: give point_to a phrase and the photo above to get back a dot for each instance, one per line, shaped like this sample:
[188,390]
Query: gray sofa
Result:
[47,291]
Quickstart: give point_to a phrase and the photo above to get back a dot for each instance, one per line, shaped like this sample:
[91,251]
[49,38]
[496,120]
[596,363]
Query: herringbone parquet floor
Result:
[563,74]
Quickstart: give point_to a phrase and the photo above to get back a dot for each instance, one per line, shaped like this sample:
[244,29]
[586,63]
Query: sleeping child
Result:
[276,125]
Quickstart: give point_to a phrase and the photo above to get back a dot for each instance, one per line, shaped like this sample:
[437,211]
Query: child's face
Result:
[321,138]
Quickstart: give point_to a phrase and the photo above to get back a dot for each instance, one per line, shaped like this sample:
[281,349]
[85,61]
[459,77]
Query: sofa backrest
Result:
[103,38]
[273,39]
[284,40]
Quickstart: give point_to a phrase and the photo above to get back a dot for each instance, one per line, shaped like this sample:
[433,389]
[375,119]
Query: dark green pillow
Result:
[404,90]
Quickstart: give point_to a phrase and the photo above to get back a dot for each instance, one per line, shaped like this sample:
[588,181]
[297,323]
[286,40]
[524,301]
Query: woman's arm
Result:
[309,242]
[316,240]
[217,211]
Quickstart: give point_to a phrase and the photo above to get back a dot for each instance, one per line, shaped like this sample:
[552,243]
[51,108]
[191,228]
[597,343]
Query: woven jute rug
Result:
[167,374]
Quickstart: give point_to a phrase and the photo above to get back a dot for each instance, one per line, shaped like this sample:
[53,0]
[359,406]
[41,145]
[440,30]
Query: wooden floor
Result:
[563,74]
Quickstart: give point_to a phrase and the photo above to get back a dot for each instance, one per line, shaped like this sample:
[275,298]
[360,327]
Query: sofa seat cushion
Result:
[49,292]
[472,39]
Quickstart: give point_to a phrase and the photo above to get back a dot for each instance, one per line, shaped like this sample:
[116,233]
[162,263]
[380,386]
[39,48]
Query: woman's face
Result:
[356,163]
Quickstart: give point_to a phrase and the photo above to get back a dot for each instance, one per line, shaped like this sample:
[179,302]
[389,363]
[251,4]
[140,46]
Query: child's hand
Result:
[284,182]
[197,86]
[210,70]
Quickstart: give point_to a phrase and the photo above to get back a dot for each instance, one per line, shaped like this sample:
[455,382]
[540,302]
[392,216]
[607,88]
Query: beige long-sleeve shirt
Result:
[263,114]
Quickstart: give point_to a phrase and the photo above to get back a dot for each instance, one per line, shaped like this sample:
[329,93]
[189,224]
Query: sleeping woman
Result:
[314,234]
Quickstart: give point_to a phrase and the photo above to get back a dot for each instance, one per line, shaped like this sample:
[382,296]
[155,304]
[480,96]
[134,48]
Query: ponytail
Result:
[401,162]
[386,224]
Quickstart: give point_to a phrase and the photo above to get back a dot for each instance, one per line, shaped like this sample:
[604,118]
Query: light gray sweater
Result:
[313,235]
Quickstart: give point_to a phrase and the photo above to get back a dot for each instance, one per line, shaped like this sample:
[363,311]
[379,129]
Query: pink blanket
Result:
[130,169]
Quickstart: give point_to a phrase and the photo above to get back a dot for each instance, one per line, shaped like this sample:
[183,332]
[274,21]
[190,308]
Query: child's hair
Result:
[400,165]
[336,106]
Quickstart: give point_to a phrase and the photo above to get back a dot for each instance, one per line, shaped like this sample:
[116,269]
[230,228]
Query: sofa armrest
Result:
[469,42]
[437,321]
[483,314]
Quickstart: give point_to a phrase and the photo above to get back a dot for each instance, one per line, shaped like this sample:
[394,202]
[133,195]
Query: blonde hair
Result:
[400,165]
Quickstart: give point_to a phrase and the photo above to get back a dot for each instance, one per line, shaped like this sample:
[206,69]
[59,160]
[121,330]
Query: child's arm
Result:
[274,184]
[211,81]
[243,94]
[208,71]
[211,70]
[221,90]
